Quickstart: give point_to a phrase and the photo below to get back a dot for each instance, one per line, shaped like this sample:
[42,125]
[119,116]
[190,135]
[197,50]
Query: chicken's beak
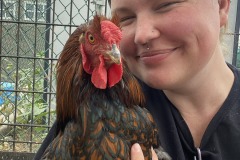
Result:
[115,54]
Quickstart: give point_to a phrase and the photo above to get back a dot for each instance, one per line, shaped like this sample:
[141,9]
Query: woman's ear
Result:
[223,11]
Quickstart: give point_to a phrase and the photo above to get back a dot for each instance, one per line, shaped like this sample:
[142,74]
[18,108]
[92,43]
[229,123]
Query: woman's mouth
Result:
[153,56]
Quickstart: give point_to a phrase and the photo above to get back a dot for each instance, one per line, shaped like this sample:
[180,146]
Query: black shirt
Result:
[221,140]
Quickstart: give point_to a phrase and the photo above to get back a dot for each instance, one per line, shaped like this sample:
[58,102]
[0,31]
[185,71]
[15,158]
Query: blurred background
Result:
[32,35]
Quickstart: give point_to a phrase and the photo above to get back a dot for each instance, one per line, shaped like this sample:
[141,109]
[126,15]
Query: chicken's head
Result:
[100,54]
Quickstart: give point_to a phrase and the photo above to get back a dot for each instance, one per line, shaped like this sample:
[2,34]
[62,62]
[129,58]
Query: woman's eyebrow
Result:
[120,10]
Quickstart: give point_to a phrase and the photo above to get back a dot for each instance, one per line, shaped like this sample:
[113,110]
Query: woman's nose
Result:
[146,30]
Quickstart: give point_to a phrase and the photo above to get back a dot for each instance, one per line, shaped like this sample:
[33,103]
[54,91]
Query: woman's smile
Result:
[156,56]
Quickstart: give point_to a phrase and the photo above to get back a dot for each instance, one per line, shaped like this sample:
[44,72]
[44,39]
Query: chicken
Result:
[100,105]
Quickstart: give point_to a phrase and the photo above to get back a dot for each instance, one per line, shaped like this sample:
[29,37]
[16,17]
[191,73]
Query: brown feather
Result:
[95,123]
[69,68]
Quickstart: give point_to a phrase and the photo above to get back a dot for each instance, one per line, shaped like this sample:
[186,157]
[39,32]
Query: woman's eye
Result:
[126,20]
[165,6]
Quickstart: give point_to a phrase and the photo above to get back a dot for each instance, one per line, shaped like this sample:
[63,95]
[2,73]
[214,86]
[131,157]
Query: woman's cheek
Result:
[123,47]
[127,45]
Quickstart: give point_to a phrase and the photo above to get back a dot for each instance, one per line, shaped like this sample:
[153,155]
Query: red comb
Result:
[110,32]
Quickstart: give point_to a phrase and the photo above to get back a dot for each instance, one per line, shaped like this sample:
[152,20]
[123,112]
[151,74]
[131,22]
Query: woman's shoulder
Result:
[235,70]
[232,103]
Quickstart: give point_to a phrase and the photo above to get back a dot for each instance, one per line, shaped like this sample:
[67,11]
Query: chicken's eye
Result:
[91,38]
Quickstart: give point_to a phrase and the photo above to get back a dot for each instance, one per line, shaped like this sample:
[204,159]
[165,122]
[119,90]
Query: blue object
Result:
[7,94]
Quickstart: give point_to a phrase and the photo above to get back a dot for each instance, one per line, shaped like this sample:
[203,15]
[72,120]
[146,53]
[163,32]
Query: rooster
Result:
[100,105]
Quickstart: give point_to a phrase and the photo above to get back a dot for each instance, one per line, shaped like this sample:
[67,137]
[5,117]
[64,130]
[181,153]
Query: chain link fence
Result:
[32,35]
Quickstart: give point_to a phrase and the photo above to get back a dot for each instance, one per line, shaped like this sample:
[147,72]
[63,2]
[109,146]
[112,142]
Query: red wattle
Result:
[115,73]
[99,75]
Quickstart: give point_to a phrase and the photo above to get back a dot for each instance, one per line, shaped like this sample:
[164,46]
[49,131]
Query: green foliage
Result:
[29,106]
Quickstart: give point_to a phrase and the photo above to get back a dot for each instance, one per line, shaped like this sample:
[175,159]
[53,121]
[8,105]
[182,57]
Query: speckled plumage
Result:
[98,123]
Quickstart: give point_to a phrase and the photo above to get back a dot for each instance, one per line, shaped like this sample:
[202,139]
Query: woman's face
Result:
[167,42]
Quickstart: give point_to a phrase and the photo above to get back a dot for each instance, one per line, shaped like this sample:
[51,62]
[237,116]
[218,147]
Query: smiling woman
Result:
[152,24]
[174,47]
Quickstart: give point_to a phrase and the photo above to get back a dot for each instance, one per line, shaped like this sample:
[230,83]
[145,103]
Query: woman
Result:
[173,46]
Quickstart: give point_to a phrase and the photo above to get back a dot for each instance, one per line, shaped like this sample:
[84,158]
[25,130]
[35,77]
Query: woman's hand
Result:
[137,154]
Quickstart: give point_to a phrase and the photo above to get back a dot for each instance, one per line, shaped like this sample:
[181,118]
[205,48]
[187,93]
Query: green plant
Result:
[29,106]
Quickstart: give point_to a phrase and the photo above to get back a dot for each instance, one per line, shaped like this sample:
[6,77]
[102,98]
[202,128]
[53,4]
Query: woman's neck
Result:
[198,101]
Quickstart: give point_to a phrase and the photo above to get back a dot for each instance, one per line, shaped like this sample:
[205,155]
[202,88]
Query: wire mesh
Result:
[16,156]
[33,33]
